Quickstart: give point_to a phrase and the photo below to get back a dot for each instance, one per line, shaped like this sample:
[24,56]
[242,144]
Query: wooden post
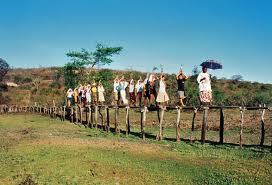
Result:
[90,124]
[102,118]
[96,116]
[262,127]
[160,137]
[64,114]
[193,121]
[144,121]
[76,114]
[115,120]
[141,121]
[178,125]
[193,125]
[72,114]
[221,131]
[204,125]
[241,126]
[107,119]
[127,120]
[81,114]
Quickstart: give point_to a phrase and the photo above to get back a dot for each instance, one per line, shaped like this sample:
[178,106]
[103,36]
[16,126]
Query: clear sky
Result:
[238,33]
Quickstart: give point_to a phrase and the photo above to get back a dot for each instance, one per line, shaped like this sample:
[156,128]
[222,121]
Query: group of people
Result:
[150,91]
[86,94]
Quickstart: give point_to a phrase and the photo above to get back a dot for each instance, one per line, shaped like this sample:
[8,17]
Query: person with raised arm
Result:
[181,78]
[162,97]
[101,90]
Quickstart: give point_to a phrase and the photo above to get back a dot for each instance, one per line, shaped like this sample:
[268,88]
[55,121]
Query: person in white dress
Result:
[123,86]
[88,94]
[205,90]
[116,91]
[139,90]
[162,97]
[101,90]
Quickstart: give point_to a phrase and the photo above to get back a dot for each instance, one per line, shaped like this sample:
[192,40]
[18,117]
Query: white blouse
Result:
[204,85]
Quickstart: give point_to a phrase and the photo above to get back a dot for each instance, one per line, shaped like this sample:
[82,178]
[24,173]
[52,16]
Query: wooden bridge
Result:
[76,114]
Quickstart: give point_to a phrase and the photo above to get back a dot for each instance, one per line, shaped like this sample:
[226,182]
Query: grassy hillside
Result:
[42,85]
[36,149]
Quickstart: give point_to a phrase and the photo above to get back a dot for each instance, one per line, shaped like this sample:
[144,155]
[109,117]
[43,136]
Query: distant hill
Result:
[43,85]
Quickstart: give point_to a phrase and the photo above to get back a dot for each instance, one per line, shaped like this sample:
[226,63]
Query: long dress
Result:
[205,90]
[88,96]
[162,95]
[123,92]
[101,91]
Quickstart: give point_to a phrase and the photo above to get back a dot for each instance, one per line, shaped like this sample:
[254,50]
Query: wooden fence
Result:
[75,114]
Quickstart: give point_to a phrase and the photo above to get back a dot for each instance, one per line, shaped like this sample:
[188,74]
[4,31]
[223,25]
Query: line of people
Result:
[148,92]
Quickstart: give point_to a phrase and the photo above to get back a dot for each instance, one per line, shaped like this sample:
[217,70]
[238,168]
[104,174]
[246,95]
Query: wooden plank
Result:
[127,120]
[96,116]
[178,125]
[64,113]
[76,114]
[81,114]
[102,118]
[89,121]
[221,129]
[144,122]
[160,136]
[108,119]
[116,120]
[193,120]
[204,124]
[242,109]
[72,114]
[262,128]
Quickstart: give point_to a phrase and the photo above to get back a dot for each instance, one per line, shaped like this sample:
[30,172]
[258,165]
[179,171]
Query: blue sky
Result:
[238,33]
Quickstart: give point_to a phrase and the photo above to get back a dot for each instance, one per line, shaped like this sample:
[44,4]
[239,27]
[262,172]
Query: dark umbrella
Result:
[211,64]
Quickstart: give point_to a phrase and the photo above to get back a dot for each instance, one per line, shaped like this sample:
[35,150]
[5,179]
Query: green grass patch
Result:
[46,151]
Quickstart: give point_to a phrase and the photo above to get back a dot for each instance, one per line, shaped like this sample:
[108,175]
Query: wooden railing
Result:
[75,115]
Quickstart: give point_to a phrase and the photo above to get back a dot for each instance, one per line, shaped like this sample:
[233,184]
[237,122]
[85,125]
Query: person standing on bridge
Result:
[69,97]
[162,97]
[205,90]
[181,78]
[101,90]
[123,86]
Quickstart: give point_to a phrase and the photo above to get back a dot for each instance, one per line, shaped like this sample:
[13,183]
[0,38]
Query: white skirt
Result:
[101,97]
[88,97]
[162,97]
[123,96]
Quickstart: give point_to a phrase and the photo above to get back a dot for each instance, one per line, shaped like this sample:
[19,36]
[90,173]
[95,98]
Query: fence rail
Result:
[75,114]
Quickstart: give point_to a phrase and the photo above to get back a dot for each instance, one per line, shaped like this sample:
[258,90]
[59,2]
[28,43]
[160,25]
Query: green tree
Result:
[101,56]
[74,71]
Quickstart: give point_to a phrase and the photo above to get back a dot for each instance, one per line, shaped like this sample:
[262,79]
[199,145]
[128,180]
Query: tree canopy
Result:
[101,56]
[73,70]
[4,68]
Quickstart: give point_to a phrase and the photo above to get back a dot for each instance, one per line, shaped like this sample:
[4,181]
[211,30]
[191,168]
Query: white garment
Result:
[204,85]
[101,97]
[139,87]
[70,94]
[162,87]
[115,85]
[162,95]
[131,88]
[88,95]
[123,92]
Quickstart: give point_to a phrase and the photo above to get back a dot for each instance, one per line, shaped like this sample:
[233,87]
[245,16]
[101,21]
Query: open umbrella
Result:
[211,64]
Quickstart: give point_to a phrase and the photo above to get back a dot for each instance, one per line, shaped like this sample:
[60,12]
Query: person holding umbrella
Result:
[204,81]
[205,90]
